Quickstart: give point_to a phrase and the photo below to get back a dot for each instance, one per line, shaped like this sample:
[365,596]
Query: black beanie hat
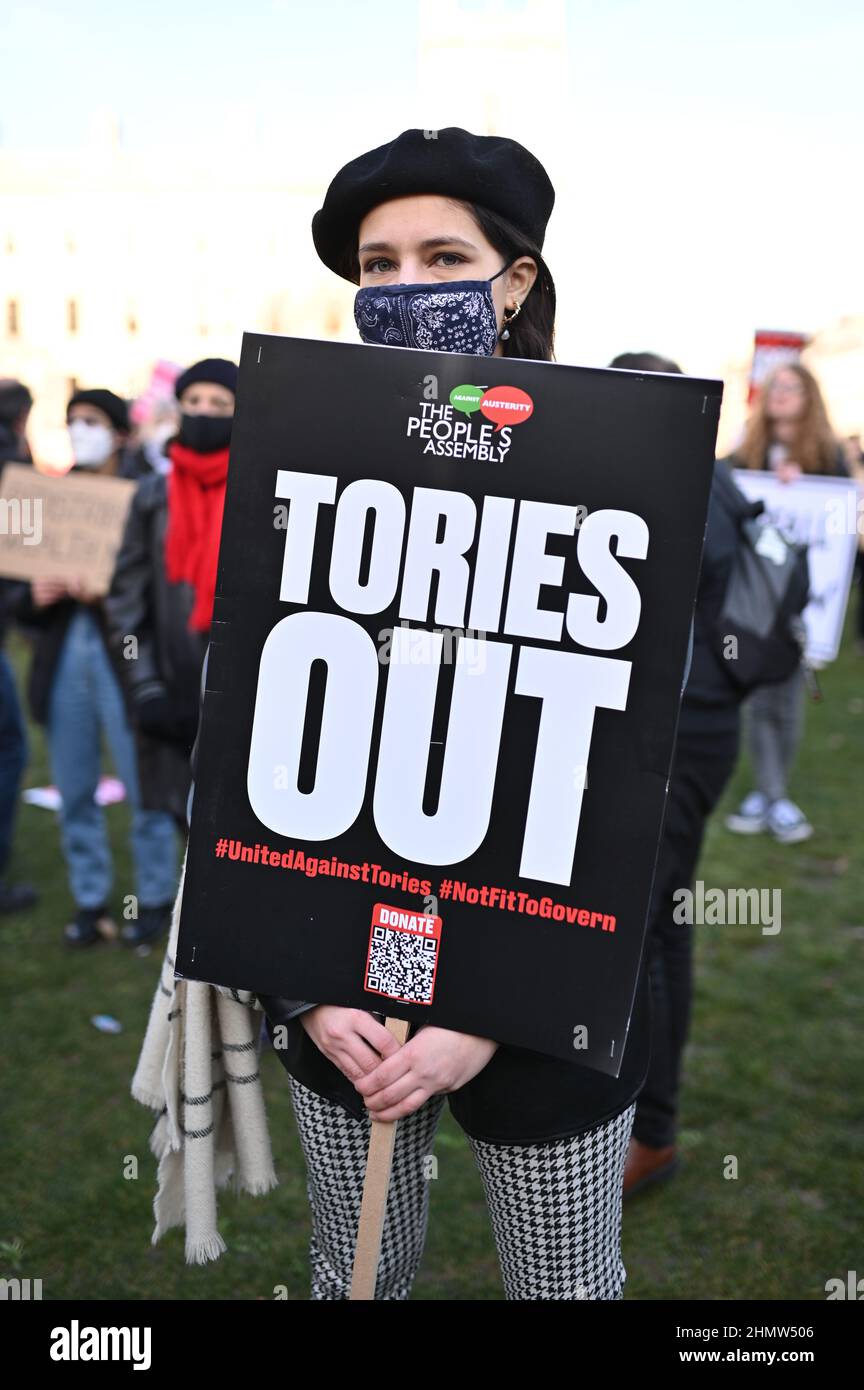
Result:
[217,369]
[488,170]
[114,407]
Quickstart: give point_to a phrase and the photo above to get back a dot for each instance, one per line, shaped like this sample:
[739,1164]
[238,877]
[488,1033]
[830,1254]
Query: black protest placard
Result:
[451,626]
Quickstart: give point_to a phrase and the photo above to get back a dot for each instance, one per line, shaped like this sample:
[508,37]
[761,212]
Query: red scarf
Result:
[196,498]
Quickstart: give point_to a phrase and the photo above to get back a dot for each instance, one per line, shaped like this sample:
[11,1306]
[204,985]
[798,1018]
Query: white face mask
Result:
[92,445]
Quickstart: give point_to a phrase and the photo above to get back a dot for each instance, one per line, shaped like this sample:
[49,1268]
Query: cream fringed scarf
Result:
[199,1069]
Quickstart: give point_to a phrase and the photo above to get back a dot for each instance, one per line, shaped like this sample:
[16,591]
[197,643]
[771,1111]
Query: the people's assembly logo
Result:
[444,434]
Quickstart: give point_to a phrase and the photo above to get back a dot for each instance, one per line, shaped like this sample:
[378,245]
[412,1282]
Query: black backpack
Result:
[759,634]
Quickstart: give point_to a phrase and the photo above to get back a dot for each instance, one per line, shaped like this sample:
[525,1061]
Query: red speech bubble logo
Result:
[506,405]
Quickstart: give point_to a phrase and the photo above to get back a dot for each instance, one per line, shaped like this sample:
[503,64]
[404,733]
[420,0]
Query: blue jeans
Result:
[85,699]
[13,756]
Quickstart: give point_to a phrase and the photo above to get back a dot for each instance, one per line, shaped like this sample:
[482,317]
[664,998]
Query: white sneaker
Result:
[788,823]
[751,817]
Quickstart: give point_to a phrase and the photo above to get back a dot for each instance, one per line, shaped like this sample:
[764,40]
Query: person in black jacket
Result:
[166,611]
[15,403]
[550,1136]
[706,751]
[74,691]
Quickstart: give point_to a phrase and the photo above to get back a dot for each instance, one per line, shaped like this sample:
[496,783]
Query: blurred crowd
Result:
[123,666]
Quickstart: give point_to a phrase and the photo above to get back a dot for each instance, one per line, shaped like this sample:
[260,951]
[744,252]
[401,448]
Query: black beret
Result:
[217,369]
[113,406]
[488,170]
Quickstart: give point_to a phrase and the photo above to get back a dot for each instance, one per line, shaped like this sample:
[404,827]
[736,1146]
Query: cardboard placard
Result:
[61,528]
[452,615]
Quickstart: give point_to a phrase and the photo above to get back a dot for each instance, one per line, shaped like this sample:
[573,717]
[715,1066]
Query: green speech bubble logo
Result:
[466,398]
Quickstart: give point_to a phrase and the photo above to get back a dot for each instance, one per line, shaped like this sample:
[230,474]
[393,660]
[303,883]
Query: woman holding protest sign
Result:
[442,231]
[789,433]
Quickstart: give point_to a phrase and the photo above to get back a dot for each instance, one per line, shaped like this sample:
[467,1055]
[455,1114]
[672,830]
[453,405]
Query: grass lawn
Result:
[773,1080]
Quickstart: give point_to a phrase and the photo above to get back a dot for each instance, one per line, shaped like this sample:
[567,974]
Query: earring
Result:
[508,319]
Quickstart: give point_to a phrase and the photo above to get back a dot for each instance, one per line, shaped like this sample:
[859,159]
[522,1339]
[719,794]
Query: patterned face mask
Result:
[458,316]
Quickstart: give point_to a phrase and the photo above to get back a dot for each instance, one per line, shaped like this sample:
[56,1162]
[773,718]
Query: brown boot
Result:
[646,1165]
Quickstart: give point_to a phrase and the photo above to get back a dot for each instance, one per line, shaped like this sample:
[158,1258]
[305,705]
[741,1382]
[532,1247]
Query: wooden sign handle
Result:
[375,1187]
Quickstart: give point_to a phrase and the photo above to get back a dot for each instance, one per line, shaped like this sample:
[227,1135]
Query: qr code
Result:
[401,965]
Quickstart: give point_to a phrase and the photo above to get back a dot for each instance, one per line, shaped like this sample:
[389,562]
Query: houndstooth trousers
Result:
[555,1207]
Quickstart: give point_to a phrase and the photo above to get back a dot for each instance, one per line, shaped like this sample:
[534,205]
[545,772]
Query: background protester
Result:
[15,404]
[706,751]
[165,580]
[789,433]
[74,691]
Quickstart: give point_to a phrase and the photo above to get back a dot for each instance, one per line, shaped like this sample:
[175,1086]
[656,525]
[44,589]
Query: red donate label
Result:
[402,960]
[506,405]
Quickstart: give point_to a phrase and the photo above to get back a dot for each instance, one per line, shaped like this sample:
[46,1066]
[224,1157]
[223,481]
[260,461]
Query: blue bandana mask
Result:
[454,316]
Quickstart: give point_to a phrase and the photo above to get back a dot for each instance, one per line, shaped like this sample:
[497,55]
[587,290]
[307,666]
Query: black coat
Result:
[162,669]
[143,603]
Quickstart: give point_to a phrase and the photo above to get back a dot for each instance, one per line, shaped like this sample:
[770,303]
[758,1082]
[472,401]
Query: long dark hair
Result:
[532,333]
